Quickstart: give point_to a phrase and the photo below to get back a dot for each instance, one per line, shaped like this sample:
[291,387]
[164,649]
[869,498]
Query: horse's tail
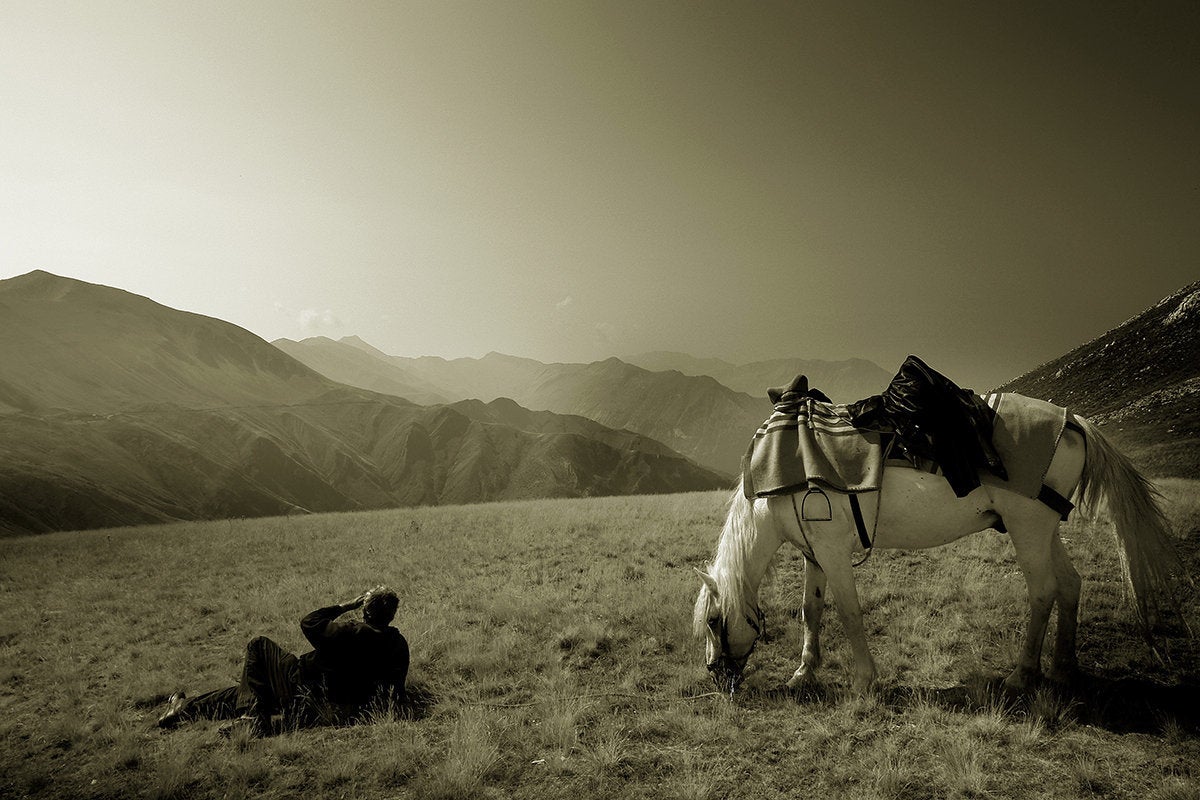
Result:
[1150,566]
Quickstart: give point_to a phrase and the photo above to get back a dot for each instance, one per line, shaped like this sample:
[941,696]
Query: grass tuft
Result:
[1090,775]
[1175,789]
[471,755]
[1052,709]
[608,752]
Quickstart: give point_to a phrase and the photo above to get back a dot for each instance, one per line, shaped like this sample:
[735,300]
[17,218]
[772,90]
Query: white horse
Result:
[917,510]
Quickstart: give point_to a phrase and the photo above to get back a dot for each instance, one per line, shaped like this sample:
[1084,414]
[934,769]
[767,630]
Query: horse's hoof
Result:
[804,691]
[781,692]
[1020,681]
[799,681]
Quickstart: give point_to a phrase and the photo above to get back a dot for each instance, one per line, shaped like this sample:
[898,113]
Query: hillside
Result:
[75,346]
[1140,381]
[121,411]
[844,381]
[693,415]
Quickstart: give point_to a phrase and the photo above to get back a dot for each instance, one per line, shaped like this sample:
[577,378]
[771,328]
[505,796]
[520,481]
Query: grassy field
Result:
[553,658]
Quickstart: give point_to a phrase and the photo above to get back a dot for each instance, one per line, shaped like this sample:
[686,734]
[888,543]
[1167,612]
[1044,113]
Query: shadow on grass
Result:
[419,701]
[418,704]
[1124,705]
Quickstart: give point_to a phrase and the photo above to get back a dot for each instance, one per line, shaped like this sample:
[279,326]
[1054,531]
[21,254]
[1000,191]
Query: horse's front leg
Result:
[834,559]
[814,607]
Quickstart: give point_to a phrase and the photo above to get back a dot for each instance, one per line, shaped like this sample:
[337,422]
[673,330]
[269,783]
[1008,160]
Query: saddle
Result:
[922,420]
[922,416]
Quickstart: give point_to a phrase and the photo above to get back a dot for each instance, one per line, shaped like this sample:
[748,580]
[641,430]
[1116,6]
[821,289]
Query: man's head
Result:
[380,606]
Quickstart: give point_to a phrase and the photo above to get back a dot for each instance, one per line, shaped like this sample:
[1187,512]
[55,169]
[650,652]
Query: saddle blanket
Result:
[811,441]
[1025,434]
[815,442]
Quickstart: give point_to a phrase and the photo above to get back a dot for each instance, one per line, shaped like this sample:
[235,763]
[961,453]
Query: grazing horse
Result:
[917,509]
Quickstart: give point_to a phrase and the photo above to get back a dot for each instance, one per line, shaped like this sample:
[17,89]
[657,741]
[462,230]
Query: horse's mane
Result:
[728,566]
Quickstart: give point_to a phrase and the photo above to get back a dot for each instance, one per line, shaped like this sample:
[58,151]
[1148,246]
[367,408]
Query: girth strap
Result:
[856,510]
[1056,501]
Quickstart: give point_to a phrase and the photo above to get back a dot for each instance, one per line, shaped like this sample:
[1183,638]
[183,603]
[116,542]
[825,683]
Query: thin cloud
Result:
[312,319]
[606,333]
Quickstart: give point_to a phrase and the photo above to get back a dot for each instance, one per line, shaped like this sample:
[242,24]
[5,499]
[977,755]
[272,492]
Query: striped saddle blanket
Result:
[812,441]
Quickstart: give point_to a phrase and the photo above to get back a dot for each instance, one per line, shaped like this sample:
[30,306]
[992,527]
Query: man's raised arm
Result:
[315,626]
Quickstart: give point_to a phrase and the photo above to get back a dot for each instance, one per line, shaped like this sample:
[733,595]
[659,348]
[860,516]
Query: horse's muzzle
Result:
[727,674]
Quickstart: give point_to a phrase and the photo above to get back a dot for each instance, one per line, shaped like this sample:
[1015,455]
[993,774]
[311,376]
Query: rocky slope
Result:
[1139,381]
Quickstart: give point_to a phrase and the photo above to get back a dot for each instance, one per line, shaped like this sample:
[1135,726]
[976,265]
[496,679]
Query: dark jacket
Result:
[352,660]
[934,419]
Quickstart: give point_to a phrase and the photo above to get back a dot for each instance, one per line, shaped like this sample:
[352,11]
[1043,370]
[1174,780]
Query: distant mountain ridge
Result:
[843,381]
[120,411]
[1140,381]
[694,415]
[361,366]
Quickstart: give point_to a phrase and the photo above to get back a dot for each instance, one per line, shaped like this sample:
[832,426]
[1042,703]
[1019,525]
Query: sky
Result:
[985,185]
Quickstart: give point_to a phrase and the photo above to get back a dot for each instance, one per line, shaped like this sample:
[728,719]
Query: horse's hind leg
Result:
[1065,665]
[1032,535]
[814,607]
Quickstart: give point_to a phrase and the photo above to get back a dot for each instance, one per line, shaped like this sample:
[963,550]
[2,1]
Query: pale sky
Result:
[987,185]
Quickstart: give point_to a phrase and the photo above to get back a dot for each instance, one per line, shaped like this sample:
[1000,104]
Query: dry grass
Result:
[553,655]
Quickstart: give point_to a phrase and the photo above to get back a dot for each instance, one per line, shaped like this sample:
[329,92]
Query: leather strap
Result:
[856,510]
[1056,501]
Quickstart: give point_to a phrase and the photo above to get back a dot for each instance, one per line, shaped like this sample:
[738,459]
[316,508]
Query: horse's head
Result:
[730,628]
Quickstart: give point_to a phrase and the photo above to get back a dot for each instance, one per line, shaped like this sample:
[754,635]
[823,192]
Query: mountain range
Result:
[697,416]
[117,411]
[842,381]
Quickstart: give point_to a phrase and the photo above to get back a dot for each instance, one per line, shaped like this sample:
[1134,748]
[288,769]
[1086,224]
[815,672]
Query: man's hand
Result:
[362,598]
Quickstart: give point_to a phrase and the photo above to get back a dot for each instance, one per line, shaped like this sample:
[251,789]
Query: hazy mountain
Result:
[693,415]
[495,375]
[358,366]
[844,381]
[1140,381]
[122,411]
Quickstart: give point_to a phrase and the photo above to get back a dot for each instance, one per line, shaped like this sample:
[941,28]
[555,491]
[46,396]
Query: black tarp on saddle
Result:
[932,418]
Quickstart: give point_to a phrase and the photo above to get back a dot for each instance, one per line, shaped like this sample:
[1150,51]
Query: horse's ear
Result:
[708,581]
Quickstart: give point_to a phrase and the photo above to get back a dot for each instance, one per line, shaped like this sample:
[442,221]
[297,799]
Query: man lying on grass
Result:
[352,663]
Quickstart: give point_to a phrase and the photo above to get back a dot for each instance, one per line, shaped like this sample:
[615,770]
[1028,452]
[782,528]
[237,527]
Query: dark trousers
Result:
[270,684]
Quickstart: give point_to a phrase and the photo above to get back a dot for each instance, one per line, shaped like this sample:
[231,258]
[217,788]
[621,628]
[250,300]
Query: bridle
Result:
[757,623]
